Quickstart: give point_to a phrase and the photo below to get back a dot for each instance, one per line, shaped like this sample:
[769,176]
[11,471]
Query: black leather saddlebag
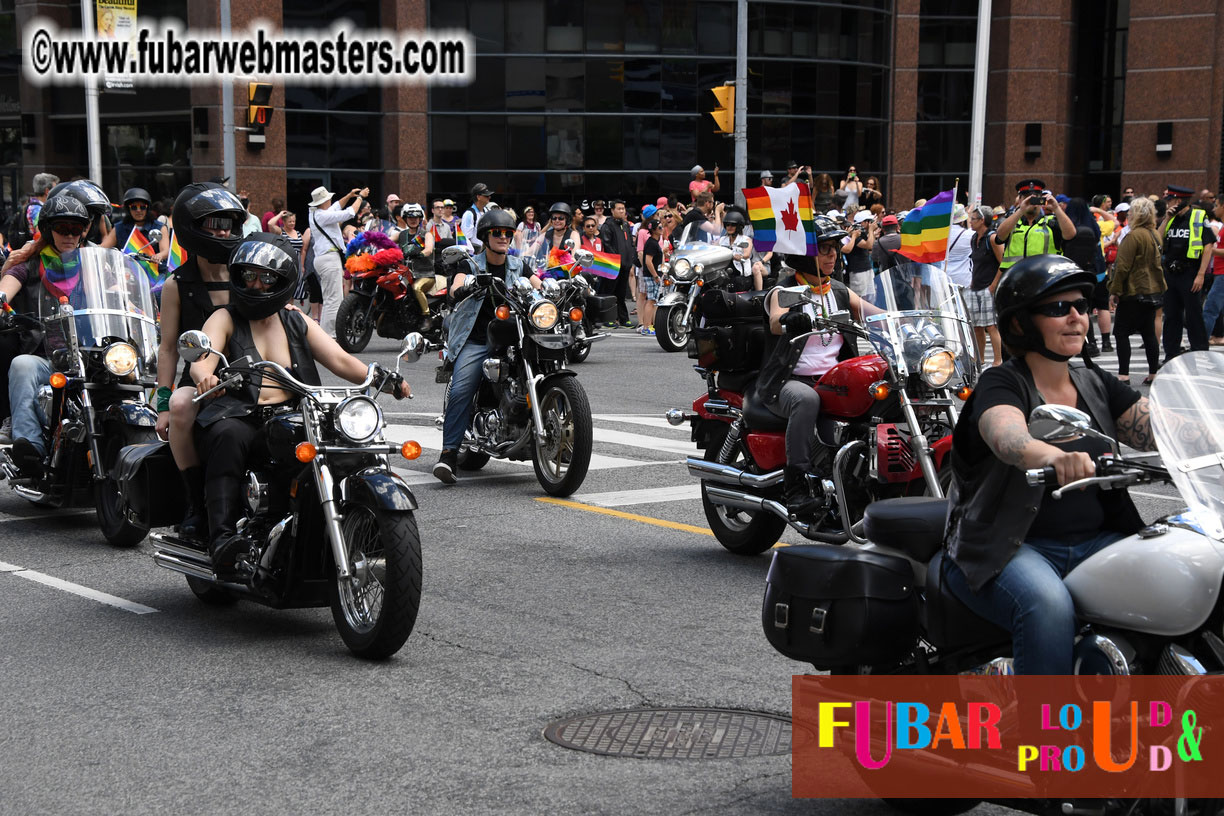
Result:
[840,606]
[601,308]
[150,481]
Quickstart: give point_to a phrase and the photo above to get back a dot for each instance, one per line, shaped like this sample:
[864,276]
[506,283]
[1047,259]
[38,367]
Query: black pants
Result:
[619,288]
[1182,309]
[226,446]
[1134,317]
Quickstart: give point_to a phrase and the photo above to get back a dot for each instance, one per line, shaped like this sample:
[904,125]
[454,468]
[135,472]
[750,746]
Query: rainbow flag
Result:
[924,232]
[178,256]
[606,265]
[138,244]
[419,240]
[460,238]
[561,264]
[781,219]
[139,247]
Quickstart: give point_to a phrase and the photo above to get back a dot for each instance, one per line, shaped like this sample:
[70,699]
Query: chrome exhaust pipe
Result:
[726,474]
[171,546]
[746,501]
[176,564]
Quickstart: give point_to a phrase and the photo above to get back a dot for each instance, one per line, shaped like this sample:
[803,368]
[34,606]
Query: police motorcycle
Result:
[529,405]
[886,417]
[100,331]
[693,268]
[1147,604]
[327,522]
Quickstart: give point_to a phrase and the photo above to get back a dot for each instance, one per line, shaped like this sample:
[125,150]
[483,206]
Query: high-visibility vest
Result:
[1197,219]
[1027,240]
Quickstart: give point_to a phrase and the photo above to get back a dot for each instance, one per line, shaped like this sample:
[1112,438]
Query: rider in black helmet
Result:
[263,274]
[1009,544]
[95,201]
[136,216]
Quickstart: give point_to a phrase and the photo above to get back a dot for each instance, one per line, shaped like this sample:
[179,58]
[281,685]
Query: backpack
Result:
[17,231]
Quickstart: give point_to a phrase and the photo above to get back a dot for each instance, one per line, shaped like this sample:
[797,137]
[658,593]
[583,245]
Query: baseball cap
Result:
[393,197]
[1123,207]
[448,202]
[649,210]
[481,189]
[890,221]
[835,213]
[1062,199]
[661,202]
[862,215]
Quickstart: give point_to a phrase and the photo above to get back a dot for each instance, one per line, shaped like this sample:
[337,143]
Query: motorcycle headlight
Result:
[120,359]
[358,419]
[544,315]
[682,269]
[937,367]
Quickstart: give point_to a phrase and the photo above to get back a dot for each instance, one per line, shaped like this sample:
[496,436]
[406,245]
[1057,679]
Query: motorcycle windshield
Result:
[923,313]
[1187,403]
[110,297]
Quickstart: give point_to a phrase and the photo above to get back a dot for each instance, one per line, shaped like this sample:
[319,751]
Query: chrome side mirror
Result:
[155,236]
[1058,423]
[194,346]
[412,347]
[792,296]
[568,245]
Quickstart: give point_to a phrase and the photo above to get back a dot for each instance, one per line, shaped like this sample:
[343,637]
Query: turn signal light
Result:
[880,391]
[503,312]
[576,315]
[667,281]
[700,283]
[58,380]
[305,452]
[963,392]
[410,449]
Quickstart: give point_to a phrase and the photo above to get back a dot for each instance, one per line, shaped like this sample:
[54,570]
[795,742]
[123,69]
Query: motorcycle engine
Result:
[488,426]
[401,320]
[256,493]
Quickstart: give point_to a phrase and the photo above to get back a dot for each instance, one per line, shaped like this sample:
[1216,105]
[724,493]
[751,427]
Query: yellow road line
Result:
[671,525]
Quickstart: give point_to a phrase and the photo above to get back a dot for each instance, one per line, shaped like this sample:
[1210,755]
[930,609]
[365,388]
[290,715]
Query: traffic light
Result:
[259,111]
[724,114]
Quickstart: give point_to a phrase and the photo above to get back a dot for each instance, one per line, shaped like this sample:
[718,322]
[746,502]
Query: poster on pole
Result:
[116,20]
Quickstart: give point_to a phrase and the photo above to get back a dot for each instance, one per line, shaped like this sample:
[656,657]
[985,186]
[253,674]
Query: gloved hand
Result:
[413,251]
[796,323]
[393,384]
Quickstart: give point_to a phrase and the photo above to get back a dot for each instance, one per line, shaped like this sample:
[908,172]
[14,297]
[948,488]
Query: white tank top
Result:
[817,357]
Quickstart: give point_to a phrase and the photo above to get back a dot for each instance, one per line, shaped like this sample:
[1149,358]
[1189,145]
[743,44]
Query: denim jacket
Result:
[461,319]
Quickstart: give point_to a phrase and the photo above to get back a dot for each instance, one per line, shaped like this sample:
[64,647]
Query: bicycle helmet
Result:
[492,220]
[207,200]
[86,192]
[1026,284]
[262,252]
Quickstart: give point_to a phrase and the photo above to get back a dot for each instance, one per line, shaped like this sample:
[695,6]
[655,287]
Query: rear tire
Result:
[353,326]
[472,460]
[208,594]
[739,531]
[669,328]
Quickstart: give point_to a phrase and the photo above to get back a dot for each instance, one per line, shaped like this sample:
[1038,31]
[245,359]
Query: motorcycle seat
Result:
[913,524]
[757,415]
[949,624]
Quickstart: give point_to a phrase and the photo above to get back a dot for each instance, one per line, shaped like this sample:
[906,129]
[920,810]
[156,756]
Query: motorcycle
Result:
[889,415]
[529,405]
[384,299]
[101,335]
[327,522]
[587,332]
[693,268]
[1147,604]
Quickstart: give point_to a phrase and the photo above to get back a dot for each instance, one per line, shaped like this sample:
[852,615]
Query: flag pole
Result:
[951,215]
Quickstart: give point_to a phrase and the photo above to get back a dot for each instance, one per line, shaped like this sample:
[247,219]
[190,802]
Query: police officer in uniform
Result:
[1036,225]
[1188,242]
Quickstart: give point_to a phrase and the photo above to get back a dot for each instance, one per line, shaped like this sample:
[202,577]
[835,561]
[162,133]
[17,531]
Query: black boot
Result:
[799,501]
[224,506]
[194,520]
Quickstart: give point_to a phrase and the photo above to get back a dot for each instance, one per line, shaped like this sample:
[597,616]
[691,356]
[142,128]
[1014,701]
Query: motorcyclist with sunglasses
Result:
[1011,544]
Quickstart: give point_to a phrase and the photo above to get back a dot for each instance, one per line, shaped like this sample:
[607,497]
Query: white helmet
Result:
[412,211]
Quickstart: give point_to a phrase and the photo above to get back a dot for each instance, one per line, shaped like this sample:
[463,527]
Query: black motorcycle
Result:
[101,333]
[326,520]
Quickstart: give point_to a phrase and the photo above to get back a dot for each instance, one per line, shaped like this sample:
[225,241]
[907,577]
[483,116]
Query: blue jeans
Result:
[27,374]
[465,380]
[1028,598]
[1213,306]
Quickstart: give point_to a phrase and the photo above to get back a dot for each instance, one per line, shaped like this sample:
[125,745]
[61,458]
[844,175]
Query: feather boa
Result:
[369,250]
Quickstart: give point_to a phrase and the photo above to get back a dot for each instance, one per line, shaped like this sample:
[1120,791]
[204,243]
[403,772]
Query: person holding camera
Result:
[857,249]
[324,220]
[1036,225]
[1188,244]
[699,184]
[853,187]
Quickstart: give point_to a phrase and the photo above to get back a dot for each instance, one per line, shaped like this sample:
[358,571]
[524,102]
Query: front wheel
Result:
[742,532]
[376,608]
[669,327]
[109,504]
[353,323]
[561,461]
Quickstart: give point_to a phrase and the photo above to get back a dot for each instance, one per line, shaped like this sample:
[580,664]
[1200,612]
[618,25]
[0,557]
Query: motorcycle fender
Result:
[673,299]
[548,378]
[386,490]
[132,413]
[940,449]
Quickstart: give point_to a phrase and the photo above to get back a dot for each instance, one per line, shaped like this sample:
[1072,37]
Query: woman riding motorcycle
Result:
[786,380]
[256,324]
[1010,544]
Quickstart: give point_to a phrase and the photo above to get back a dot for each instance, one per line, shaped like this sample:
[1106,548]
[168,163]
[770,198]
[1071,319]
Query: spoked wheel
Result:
[561,462]
[376,608]
[353,324]
[109,505]
[669,328]
[742,532]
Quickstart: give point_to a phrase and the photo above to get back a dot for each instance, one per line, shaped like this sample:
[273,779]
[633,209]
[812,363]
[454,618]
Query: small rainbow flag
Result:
[139,247]
[924,232]
[178,256]
[605,265]
[460,238]
[138,244]
[781,219]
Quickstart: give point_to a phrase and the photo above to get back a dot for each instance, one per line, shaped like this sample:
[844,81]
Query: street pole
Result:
[93,129]
[741,100]
[227,110]
[981,72]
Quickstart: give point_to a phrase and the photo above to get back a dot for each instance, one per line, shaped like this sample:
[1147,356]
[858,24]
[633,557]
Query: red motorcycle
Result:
[886,418]
[386,296]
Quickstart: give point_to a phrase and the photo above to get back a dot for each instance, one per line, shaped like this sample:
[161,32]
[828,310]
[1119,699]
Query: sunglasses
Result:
[828,249]
[559,218]
[265,276]
[590,225]
[501,233]
[136,206]
[69,230]
[1061,308]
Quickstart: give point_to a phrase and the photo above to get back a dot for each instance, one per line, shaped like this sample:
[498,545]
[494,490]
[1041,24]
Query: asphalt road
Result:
[532,611]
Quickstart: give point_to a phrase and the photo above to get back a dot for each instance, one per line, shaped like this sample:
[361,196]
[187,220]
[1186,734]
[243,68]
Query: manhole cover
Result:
[675,733]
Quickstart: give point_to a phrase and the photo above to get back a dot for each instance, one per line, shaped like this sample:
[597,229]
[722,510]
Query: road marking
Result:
[432,438]
[643,419]
[45,516]
[650,495]
[671,525]
[632,440]
[77,589]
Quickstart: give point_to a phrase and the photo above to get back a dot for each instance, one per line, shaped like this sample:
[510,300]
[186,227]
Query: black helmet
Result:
[492,220]
[262,252]
[561,207]
[734,217]
[827,229]
[208,200]
[62,208]
[136,194]
[86,192]
[1026,284]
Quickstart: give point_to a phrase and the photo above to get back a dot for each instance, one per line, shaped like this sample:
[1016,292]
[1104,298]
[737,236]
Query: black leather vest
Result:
[195,306]
[991,506]
[781,358]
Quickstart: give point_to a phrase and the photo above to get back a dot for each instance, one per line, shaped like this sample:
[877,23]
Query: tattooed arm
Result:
[1135,427]
[1005,431]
